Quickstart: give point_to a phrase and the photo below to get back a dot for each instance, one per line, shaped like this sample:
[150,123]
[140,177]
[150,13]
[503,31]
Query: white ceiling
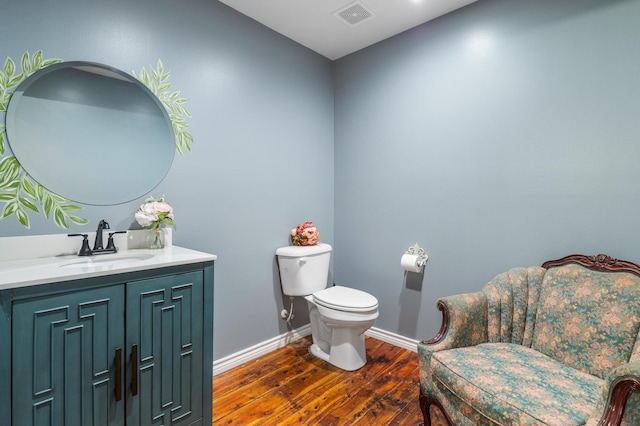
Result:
[313,24]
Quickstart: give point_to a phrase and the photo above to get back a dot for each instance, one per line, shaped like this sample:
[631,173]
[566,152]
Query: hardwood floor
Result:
[289,386]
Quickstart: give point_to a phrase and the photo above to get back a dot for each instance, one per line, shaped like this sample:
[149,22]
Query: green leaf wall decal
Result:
[158,82]
[17,190]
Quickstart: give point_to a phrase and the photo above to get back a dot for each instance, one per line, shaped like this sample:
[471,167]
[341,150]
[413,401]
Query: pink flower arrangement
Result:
[155,212]
[305,235]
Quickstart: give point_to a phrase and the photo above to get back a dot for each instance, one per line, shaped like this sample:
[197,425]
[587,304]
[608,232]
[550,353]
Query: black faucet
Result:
[97,246]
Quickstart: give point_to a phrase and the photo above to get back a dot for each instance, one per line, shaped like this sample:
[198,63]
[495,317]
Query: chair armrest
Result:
[464,323]
[621,385]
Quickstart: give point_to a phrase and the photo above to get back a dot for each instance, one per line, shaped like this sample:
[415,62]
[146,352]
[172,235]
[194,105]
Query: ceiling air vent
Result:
[354,14]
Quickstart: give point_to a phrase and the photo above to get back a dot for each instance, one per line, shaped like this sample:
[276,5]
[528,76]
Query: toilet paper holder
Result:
[416,250]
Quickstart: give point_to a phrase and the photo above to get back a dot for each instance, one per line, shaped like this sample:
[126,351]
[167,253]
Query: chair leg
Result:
[425,402]
[425,406]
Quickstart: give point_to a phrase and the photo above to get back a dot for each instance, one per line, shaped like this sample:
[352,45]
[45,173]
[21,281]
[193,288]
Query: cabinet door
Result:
[164,337]
[63,356]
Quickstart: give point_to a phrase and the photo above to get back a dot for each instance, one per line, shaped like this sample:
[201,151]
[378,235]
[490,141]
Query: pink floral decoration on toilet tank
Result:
[305,235]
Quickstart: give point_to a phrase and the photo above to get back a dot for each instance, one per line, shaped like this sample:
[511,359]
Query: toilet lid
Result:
[345,299]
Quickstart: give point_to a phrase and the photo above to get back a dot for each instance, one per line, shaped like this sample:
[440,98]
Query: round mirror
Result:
[90,133]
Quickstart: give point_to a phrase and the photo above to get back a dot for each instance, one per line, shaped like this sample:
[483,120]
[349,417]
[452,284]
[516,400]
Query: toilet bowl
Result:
[338,327]
[339,315]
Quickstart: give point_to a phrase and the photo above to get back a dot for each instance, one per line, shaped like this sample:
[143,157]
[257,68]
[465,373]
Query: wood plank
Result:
[326,397]
[384,408]
[287,396]
[409,414]
[368,396]
[248,372]
[274,375]
[289,386]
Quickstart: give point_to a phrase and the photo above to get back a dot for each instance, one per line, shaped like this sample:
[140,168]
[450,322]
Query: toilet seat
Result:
[345,299]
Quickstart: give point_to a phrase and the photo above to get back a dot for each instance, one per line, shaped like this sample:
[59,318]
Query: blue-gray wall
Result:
[262,160]
[504,134]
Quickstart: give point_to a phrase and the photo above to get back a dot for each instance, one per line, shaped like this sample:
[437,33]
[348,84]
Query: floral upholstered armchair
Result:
[551,345]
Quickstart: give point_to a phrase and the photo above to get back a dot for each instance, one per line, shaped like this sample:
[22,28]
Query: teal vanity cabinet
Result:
[133,348]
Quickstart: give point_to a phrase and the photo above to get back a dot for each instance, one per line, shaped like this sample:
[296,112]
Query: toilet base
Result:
[347,351]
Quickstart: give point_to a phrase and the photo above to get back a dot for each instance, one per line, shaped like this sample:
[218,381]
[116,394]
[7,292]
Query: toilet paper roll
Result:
[409,263]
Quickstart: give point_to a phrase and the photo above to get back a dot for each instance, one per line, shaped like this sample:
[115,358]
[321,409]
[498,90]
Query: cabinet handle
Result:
[118,362]
[134,368]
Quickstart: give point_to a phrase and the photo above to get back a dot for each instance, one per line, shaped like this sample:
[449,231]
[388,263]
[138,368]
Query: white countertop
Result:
[44,270]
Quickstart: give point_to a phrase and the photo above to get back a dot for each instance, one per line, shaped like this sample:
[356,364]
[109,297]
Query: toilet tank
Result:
[303,269]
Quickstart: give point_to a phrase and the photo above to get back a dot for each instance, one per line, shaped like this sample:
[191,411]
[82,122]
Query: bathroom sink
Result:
[106,262]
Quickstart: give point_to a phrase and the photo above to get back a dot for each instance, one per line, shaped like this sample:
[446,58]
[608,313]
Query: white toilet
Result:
[339,315]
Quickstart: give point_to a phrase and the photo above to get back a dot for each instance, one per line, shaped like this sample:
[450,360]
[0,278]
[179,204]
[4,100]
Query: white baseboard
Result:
[245,355]
[393,339]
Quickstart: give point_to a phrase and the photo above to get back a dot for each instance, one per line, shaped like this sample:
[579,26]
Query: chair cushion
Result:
[588,319]
[512,384]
